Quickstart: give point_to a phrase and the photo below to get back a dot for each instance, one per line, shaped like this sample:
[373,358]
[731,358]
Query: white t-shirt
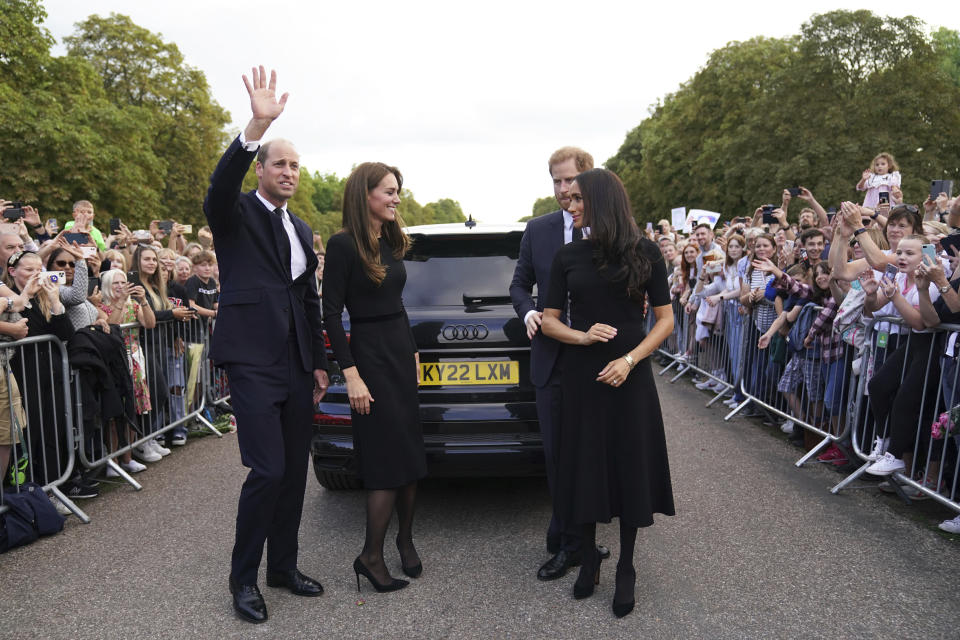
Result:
[911,295]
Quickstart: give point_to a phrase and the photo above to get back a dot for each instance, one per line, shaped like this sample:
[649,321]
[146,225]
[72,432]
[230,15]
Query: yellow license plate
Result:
[484,372]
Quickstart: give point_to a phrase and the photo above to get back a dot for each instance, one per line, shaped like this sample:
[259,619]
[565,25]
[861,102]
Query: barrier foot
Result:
[69,504]
[209,425]
[669,366]
[680,374]
[123,474]
[820,445]
[224,403]
[898,489]
[736,410]
[843,484]
[719,395]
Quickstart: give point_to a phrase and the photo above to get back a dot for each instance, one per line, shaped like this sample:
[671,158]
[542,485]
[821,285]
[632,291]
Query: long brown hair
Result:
[616,239]
[356,218]
[753,253]
[155,284]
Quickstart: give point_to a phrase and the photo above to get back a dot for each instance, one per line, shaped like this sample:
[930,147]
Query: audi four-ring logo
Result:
[465,332]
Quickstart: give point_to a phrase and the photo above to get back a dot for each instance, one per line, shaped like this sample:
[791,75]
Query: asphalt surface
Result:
[759,549]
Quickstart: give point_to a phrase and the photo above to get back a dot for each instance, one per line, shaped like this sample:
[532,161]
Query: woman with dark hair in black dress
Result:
[613,454]
[365,273]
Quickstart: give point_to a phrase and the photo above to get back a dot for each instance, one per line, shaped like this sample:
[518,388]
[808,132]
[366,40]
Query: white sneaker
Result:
[133,466]
[718,386]
[952,526]
[146,453]
[731,402]
[879,448]
[787,427]
[62,508]
[707,383]
[886,465]
[159,448]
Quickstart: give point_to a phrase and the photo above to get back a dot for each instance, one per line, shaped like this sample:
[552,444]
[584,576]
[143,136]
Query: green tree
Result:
[540,207]
[328,191]
[443,210]
[63,139]
[811,109]
[946,43]
[149,79]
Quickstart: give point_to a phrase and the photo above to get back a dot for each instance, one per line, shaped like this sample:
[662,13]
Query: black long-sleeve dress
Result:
[389,440]
[613,451]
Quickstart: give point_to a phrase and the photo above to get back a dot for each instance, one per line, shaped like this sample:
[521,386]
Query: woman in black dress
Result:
[613,454]
[365,274]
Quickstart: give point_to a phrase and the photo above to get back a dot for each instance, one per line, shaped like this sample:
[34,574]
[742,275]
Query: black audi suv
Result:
[477,404]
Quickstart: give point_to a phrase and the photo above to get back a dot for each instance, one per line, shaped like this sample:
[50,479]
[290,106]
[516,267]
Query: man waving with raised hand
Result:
[269,339]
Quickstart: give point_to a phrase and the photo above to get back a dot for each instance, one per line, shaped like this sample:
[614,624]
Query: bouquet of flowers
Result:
[945,424]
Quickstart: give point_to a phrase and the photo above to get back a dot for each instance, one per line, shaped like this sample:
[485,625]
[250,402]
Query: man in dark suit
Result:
[542,238]
[269,339]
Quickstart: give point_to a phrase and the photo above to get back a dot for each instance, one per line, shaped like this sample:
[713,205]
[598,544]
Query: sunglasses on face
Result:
[64,263]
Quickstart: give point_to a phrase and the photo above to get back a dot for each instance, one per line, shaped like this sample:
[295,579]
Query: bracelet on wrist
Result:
[630,361]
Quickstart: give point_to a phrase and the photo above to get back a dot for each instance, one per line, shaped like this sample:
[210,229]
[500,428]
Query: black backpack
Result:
[30,515]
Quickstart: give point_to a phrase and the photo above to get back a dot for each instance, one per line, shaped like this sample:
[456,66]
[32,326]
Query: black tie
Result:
[577,234]
[279,212]
[283,240]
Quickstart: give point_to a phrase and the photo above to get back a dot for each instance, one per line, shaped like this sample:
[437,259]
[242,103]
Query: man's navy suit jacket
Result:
[257,294]
[542,238]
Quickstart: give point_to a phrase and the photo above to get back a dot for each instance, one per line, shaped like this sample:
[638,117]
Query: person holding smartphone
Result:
[83,223]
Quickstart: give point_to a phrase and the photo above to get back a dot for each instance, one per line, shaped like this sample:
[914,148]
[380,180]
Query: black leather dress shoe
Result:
[558,565]
[292,579]
[603,551]
[248,603]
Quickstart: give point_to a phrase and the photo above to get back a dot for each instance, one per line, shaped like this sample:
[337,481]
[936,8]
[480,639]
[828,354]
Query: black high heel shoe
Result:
[580,590]
[393,585]
[621,609]
[415,570]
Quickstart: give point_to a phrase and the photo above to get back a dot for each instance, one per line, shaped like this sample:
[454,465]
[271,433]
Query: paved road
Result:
[758,549]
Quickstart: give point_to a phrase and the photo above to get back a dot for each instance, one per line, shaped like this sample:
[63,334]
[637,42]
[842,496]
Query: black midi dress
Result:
[613,451]
[389,440]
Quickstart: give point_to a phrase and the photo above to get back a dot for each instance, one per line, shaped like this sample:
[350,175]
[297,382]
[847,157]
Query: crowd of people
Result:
[140,299]
[781,305]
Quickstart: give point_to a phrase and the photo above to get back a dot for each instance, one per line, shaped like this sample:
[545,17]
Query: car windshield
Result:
[455,269]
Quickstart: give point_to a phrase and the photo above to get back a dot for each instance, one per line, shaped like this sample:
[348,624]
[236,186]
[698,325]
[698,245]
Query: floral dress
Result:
[138,369]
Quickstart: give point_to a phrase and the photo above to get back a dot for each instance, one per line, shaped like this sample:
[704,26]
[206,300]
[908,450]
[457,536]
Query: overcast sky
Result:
[467,100]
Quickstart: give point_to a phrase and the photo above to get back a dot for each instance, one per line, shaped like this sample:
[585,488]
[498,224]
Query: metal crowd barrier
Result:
[789,380]
[174,354]
[831,399]
[43,449]
[217,384]
[710,356]
[925,375]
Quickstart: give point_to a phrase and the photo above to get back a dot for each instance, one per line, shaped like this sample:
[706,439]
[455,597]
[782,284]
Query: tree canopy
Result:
[123,121]
[809,110]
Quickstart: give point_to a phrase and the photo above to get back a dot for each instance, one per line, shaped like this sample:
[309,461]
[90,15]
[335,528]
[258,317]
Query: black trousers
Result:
[273,406]
[548,413]
[917,361]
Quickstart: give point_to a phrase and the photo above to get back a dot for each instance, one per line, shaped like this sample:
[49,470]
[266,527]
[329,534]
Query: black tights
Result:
[626,574]
[380,505]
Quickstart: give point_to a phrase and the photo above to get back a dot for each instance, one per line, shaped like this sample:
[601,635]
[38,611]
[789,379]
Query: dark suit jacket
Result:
[257,295]
[542,238]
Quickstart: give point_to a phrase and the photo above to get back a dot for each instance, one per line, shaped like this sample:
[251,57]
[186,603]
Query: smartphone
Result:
[88,252]
[186,229]
[143,235]
[92,284]
[884,197]
[930,251]
[788,246]
[649,226]
[165,225]
[15,212]
[941,186]
[768,217]
[951,241]
[890,273]
[79,238]
[114,226]
[794,192]
[53,224]
[133,277]
[56,277]
[804,258]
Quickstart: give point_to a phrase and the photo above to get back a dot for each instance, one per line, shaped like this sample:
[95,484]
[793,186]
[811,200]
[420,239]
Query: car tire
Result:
[336,481]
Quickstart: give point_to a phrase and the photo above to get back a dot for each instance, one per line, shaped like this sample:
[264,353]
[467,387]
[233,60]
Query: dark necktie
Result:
[283,240]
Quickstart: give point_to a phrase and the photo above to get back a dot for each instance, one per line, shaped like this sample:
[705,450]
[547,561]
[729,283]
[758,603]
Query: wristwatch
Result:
[859,231]
[944,288]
